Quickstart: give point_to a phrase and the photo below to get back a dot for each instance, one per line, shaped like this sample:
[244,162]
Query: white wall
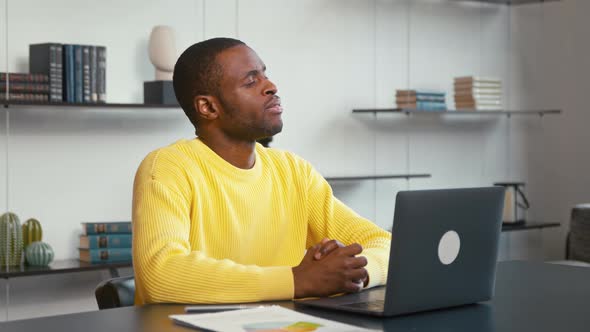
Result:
[327,57]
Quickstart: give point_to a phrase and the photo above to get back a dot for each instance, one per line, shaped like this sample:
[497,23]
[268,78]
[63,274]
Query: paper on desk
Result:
[267,319]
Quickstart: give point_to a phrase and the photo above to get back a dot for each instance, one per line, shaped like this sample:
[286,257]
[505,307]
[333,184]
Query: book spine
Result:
[24,78]
[78,75]
[25,87]
[86,73]
[107,227]
[101,75]
[93,71]
[25,97]
[109,255]
[109,241]
[44,59]
[69,73]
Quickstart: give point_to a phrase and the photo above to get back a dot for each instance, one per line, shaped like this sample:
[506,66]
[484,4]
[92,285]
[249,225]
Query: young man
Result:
[220,218]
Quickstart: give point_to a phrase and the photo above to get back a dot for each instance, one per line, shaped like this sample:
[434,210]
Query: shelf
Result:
[59,266]
[86,105]
[376,177]
[454,112]
[509,2]
[528,225]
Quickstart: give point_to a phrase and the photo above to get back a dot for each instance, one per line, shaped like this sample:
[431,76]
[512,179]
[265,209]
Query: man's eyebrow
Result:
[255,72]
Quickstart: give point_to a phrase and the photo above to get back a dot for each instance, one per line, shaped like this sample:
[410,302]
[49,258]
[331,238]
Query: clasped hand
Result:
[330,268]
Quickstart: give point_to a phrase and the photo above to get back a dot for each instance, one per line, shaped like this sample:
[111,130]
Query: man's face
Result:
[250,108]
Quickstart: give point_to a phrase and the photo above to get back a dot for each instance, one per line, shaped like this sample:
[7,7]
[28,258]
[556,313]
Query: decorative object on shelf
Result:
[514,208]
[474,93]
[32,232]
[39,254]
[162,53]
[11,240]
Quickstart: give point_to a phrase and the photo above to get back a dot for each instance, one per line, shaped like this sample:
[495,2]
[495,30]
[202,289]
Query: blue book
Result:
[68,73]
[117,227]
[105,255]
[78,74]
[105,241]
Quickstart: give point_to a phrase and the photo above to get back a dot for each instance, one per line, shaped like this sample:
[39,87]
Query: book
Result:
[25,97]
[478,91]
[424,105]
[24,87]
[93,72]
[415,98]
[24,78]
[480,108]
[68,73]
[477,85]
[263,318]
[105,255]
[478,97]
[86,73]
[101,74]
[78,75]
[105,241]
[422,93]
[480,79]
[46,59]
[478,103]
[117,227]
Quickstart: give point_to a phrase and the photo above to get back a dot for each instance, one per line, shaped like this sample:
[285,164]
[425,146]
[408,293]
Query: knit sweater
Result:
[205,231]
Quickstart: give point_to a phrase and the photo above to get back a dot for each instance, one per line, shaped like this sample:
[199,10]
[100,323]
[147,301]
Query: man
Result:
[220,218]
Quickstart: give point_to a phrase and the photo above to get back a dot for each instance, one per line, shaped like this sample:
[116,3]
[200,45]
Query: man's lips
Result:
[274,106]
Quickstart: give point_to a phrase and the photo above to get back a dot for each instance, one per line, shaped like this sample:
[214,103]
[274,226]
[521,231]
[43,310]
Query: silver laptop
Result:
[443,253]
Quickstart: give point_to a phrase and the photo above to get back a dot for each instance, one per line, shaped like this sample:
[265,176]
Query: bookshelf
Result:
[509,2]
[376,177]
[455,112]
[12,104]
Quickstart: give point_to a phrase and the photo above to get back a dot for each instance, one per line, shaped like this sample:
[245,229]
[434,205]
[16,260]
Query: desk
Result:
[529,297]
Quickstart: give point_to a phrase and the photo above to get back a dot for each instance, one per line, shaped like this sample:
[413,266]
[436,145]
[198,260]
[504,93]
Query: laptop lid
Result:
[444,248]
[443,253]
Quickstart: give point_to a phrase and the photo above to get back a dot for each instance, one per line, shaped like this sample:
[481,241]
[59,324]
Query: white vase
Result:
[162,51]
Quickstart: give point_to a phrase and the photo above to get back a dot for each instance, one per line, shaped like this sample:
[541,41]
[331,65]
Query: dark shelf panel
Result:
[454,112]
[376,177]
[59,266]
[86,105]
[528,225]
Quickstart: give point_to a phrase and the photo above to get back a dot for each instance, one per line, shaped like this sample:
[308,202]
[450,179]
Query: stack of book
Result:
[24,87]
[420,100]
[106,242]
[77,73]
[478,93]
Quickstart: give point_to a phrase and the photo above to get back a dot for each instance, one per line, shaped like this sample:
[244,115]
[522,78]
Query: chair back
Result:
[578,241]
[115,293]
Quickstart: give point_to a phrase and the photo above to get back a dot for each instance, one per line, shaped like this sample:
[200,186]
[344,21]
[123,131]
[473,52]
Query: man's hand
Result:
[338,272]
[326,247]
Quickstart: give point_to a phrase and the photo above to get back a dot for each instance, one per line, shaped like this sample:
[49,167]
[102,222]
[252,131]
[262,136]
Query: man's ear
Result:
[206,107]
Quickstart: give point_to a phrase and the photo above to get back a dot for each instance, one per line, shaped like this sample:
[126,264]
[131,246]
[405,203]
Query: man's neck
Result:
[241,154]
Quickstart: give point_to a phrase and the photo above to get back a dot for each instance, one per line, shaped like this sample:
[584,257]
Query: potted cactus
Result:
[11,240]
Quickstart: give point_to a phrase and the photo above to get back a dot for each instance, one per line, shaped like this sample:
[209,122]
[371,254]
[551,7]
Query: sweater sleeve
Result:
[330,218]
[168,270]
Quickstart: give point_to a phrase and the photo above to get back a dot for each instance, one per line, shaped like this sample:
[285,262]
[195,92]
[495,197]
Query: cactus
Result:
[32,232]
[39,254]
[11,240]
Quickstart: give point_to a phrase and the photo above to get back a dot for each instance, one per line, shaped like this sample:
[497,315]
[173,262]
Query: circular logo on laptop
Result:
[448,247]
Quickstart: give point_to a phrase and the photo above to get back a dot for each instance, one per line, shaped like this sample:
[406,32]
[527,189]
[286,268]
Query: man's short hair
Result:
[197,73]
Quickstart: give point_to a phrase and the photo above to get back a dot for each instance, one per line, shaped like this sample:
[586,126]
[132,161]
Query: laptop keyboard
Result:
[376,305]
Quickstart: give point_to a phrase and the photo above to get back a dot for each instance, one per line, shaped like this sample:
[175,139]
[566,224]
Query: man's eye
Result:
[250,83]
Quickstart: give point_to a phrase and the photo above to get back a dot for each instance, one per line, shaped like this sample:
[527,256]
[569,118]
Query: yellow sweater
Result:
[205,231]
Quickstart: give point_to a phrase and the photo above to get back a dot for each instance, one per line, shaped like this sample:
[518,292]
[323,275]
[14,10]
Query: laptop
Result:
[443,253]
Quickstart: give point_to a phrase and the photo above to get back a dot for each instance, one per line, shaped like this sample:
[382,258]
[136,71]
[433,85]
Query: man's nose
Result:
[270,88]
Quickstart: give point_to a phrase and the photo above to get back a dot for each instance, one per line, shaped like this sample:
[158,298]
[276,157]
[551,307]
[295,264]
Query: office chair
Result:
[115,293]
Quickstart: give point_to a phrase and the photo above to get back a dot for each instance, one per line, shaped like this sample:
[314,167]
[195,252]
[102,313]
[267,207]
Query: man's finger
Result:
[327,247]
